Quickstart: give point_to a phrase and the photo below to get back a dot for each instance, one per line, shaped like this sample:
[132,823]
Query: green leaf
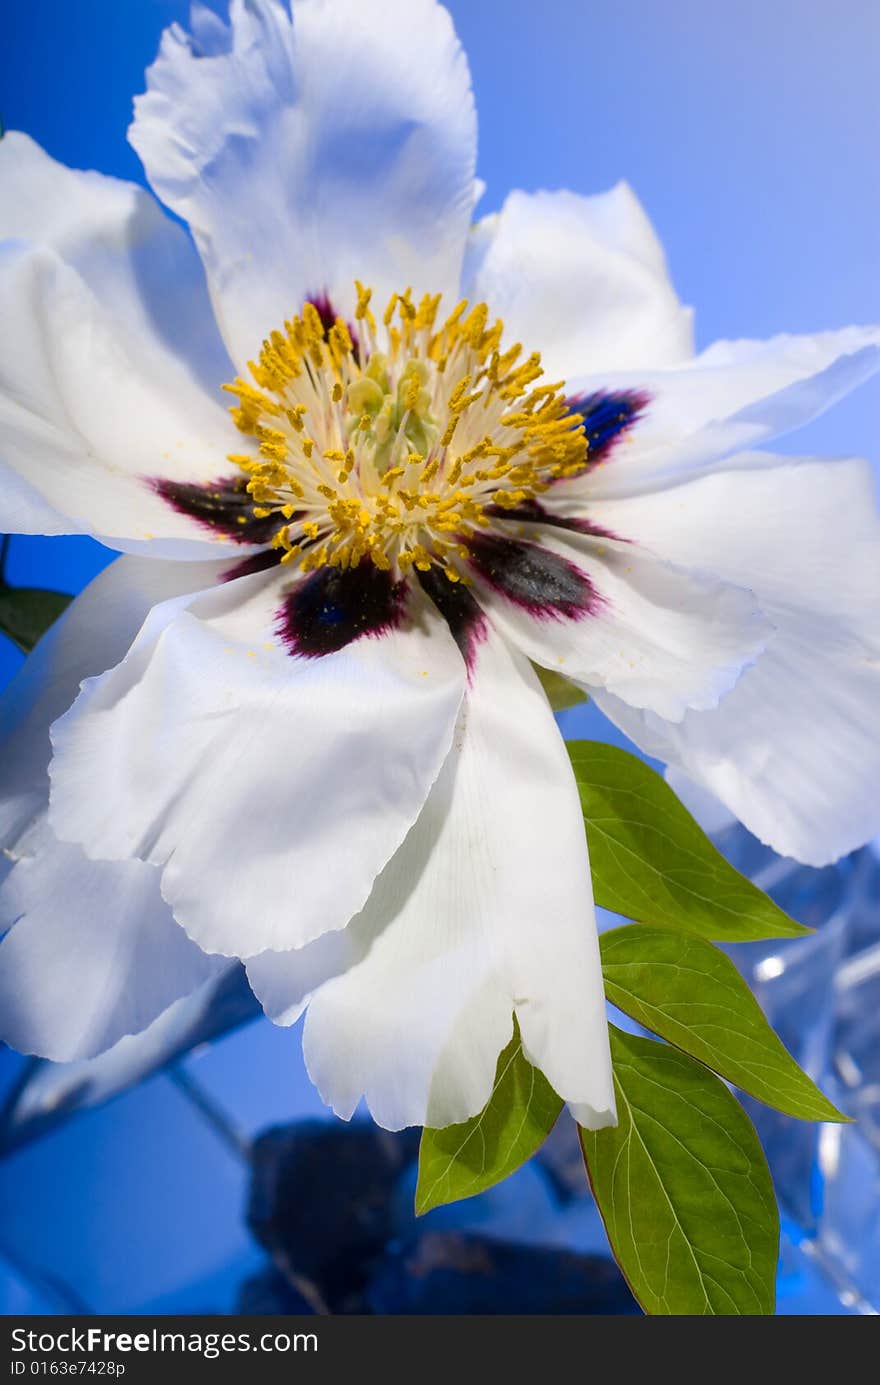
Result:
[691,994]
[27,612]
[683,1187]
[652,862]
[561,692]
[466,1159]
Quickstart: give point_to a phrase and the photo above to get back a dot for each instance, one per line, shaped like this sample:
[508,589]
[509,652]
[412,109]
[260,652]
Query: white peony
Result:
[310,736]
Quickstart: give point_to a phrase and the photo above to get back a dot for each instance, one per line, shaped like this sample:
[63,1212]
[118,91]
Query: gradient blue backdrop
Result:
[749,129]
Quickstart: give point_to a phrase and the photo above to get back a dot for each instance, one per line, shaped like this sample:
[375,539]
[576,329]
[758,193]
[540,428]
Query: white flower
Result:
[310,735]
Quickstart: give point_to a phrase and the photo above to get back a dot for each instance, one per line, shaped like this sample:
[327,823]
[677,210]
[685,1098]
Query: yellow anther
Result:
[363,301]
[340,334]
[399,419]
[474,324]
[312,322]
[454,401]
[455,315]
[446,438]
[427,312]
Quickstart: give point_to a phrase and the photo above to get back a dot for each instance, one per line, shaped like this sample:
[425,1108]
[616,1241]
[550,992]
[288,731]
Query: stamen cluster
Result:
[396,442]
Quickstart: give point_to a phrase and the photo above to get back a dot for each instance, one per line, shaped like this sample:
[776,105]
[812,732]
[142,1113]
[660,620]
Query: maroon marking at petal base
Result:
[541,582]
[608,416]
[459,609]
[334,606]
[223,506]
[531,512]
[256,562]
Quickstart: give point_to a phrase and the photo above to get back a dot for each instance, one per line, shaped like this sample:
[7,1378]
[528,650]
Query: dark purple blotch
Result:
[255,562]
[334,606]
[608,416]
[541,582]
[223,506]
[532,512]
[459,609]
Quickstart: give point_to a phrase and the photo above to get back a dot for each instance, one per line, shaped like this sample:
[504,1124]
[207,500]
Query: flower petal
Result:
[85,426]
[485,911]
[55,1090]
[306,153]
[92,635]
[735,395]
[793,750]
[142,267]
[272,788]
[93,952]
[284,982]
[583,280]
[655,635]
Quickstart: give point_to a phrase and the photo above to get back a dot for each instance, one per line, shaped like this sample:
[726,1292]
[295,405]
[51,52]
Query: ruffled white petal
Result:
[92,635]
[93,953]
[583,280]
[142,267]
[735,395]
[485,911]
[86,431]
[658,636]
[89,1082]
[284,982]
[794,749]
[701,803]
[272,789]
[306,153]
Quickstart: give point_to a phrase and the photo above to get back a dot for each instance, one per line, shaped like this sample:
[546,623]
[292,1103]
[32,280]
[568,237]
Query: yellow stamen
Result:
[401,445]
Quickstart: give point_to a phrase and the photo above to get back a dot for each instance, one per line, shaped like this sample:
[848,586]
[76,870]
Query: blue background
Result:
[749,130]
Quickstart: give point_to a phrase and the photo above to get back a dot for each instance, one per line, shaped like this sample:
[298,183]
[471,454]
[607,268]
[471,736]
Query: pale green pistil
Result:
[391,417]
